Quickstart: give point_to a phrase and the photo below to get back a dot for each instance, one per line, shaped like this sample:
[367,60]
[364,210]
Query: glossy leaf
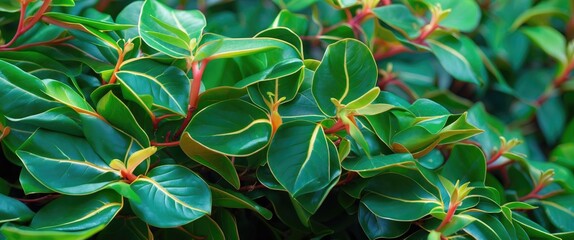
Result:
[376,227]
[81,213]
[13,210]
[174,202]
[67,165]
[400,18]
[173,32]
[308,167]
[549,40]
[232,127]
[229,199]
[347,71]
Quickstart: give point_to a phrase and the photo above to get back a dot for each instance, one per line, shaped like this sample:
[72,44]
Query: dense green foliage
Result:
[286,119]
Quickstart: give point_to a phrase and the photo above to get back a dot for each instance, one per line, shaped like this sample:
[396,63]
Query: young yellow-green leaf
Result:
[81,212]
[66,95]
[305,146]
[464,14]
[117,164]
[347,72]
[364,100]
[162,27]
[138,157]
[550,40]
[233,127]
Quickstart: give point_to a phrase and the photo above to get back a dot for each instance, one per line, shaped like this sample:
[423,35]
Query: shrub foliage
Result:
[286,119]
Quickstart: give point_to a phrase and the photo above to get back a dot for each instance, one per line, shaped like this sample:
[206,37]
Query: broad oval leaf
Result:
[65,164]
[173,32]
[229,199]
[448,50]
[299,157]
[549,40]
[347,72]
[466,163]
[376,227]
[155,86]
[233,127]
[237,47]
[399,17]
[78,213]
[117,113]
[178,196]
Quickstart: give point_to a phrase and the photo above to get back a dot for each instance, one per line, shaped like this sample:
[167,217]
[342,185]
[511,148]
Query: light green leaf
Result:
[67,96]
[117,113]
[399,17]
[178,196]
[12,231]
[449,52]
[158,22]
[549,40]
[91,22]
[376,163]
[558,8]
[464,15]
[237,47]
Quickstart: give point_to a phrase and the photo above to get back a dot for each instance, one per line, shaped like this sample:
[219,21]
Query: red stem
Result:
[533,193]
[37,16]
[500,166]
[250,188]
[448,217]
[24,25]
[46,43]
[193,94]
[128,176]
[494,157]
[157,120]
[165,144]
[556,83]
[20,24]
[350,176]
[102,5]
[394,50]
[40,199]
[338,126]
[386,2]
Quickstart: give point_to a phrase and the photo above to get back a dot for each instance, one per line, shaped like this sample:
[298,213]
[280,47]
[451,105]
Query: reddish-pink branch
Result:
[448,217]
[350,176]
[338,126]
[556,83]
[39,199]
[46,43]
[535,193]
[25,25]
[193,94]
[165,144]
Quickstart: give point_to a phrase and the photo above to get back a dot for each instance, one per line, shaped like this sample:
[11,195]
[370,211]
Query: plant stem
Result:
[165,144]
[250,188]
[556,83]
[24,25]
[448,217]
[193,94]
[102,5]
[46,43]
[495,157]
[534,194]
[350,176]
[338,126]
[40,199]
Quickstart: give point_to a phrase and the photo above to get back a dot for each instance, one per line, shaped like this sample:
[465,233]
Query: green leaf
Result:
[155,86]
[400,18]
[227,222]
[117,113]
[550,40]
[551,118]
[294,5]
[233,127]
[347,72]
[544,8]
[162,27]
[450,53]
[15,83]
[204,227]
[67,96]
[560,211]
[13,210]
[464,15]
[407,201]
[296,22]
[230,199]
[466,163]
[219,163]
[12,231]
[178,196]
[11,6]
[81,213]
[305,145]
[237,47]
[376,227]
[281,69]
[532,229]
[376,163]
[65,164]
[90,22]
[486,226]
